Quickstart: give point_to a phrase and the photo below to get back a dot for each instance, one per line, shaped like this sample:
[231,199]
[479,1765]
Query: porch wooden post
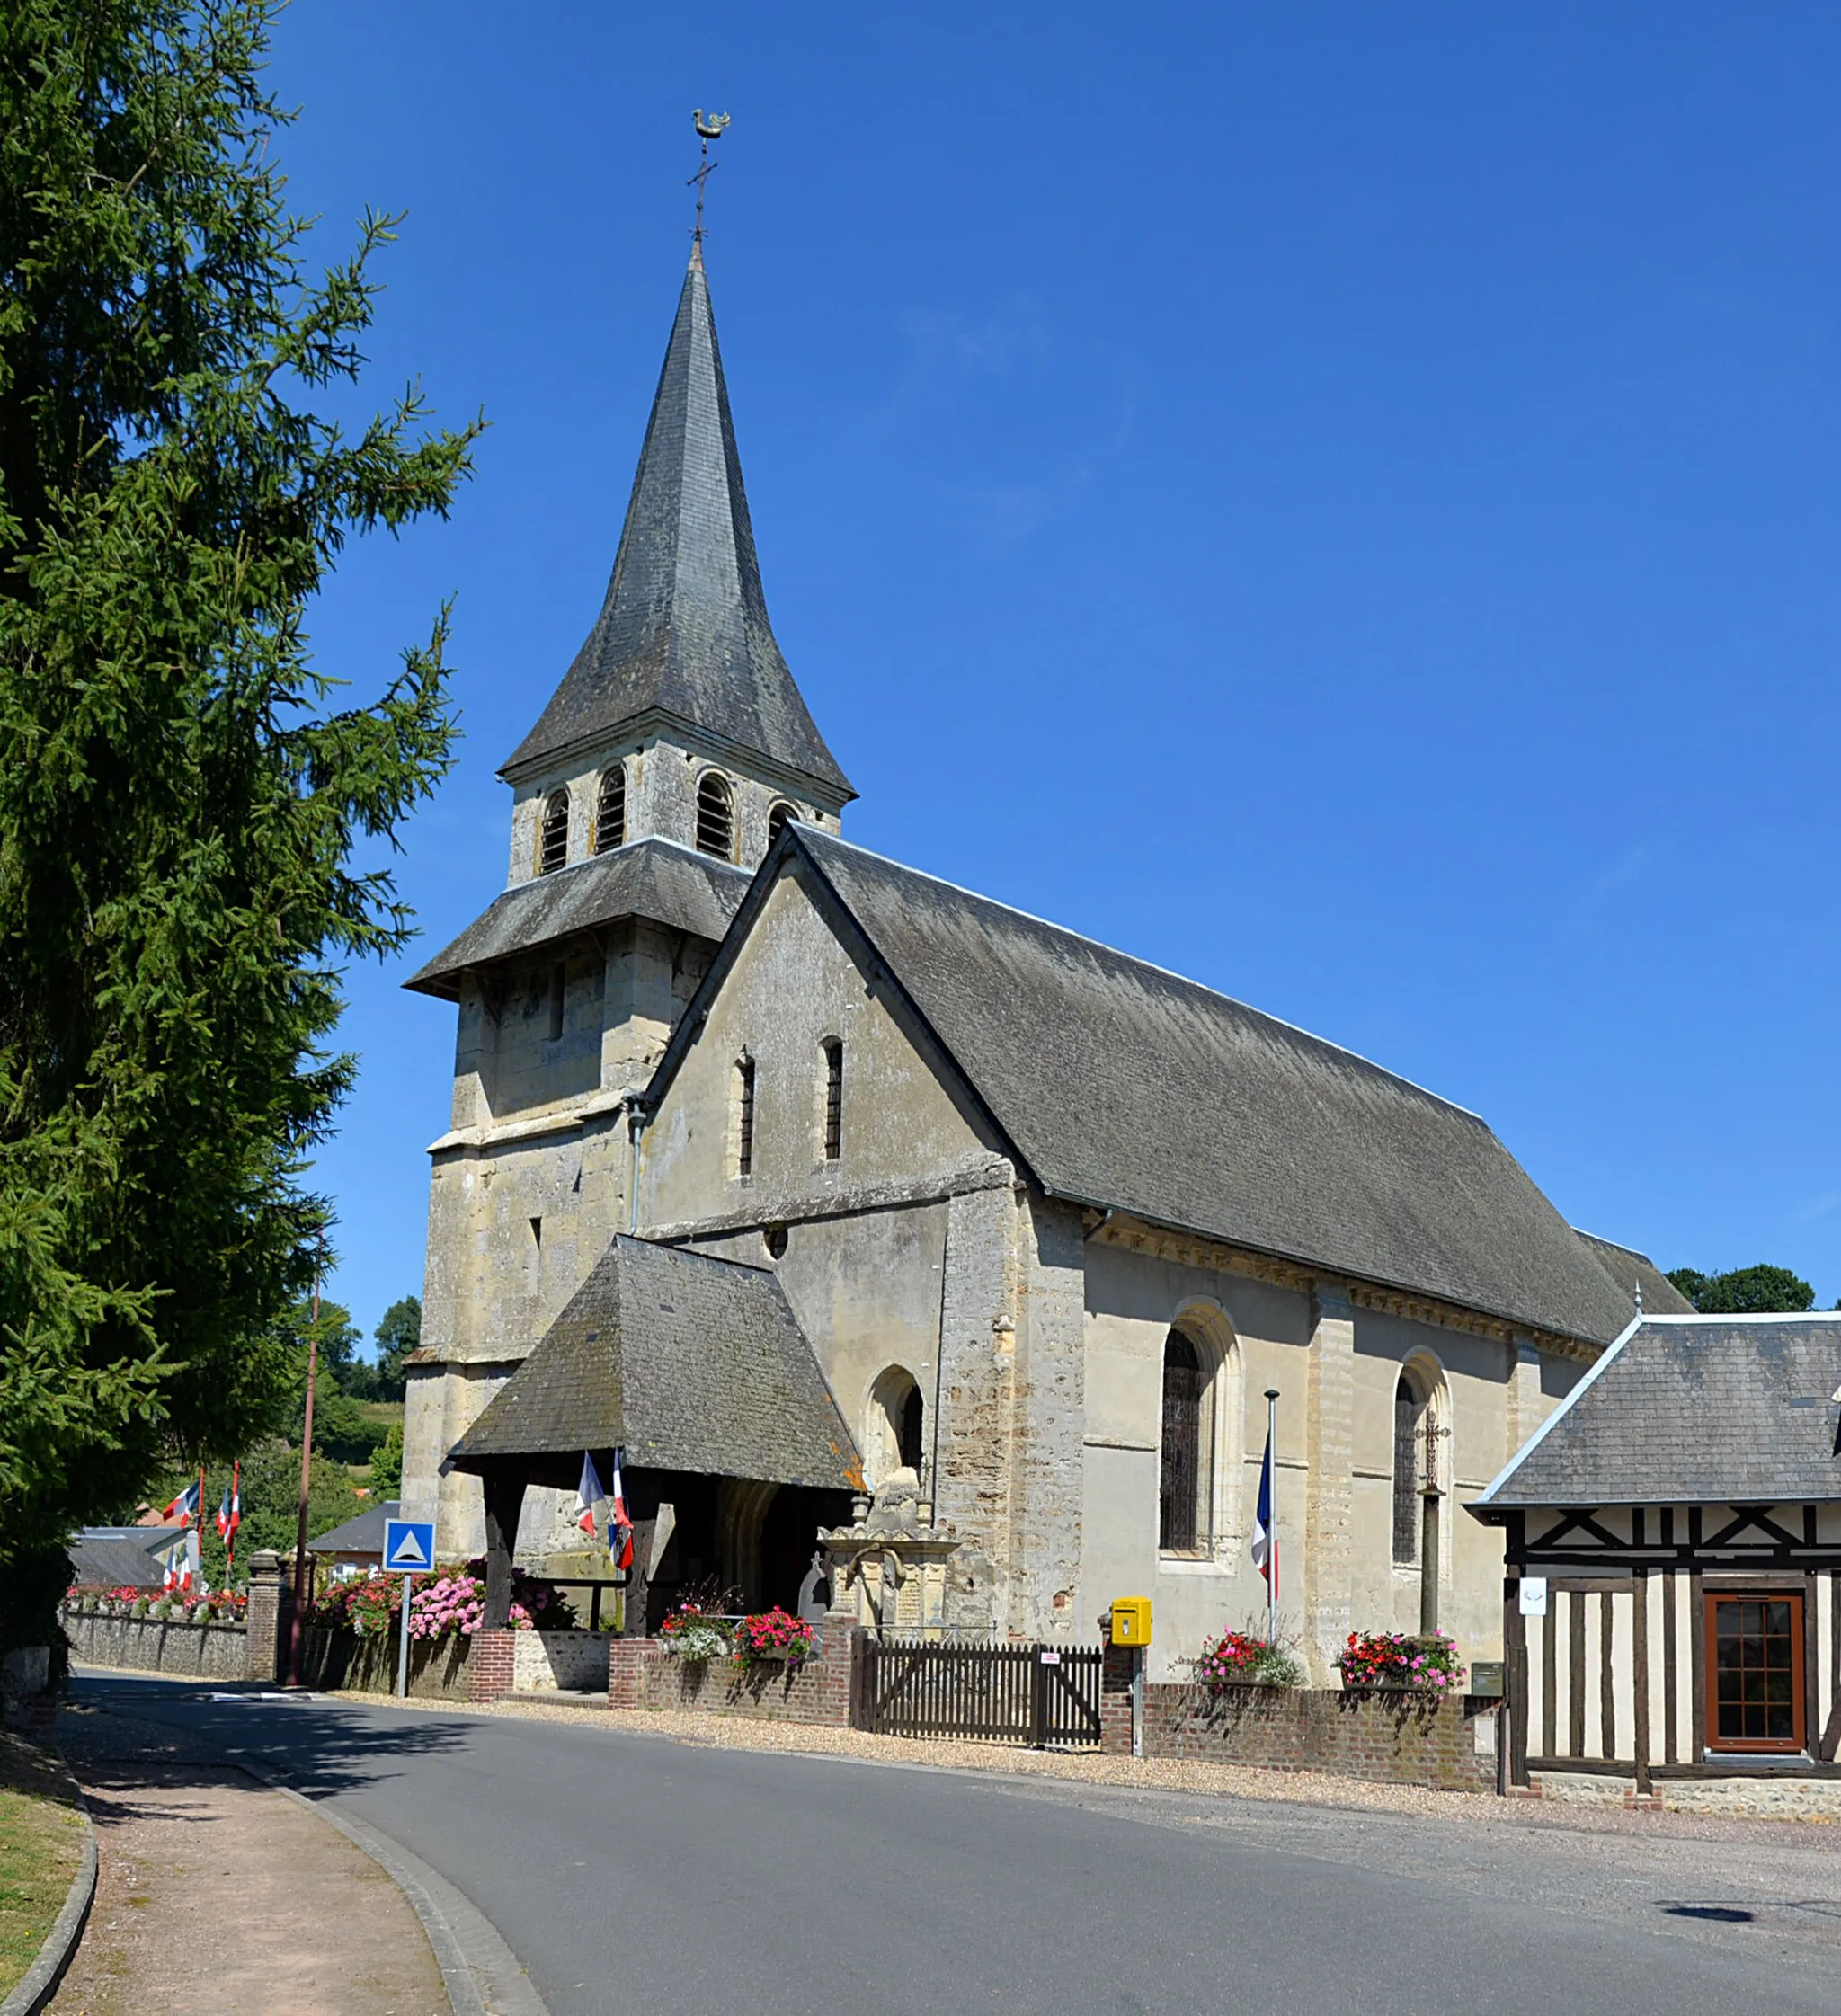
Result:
[504,1500]
[1575,1672]
[1812,1733]
[1607,1673]
[1515,1681]
[1671,1659]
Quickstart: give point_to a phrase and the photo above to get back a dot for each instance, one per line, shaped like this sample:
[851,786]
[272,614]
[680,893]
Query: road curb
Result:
[42,1977]
[479,1970]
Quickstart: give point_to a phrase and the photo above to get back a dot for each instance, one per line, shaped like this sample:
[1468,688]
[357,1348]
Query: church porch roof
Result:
[684,1361]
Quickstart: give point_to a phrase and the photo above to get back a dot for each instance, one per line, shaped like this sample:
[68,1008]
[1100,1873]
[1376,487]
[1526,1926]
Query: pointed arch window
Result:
[610,810]
[1183,1480]
[715,817]
[553,838]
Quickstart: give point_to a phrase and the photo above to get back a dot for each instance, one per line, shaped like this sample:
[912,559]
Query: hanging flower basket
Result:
[775,1638]
[1402,1661]
[1239,1659]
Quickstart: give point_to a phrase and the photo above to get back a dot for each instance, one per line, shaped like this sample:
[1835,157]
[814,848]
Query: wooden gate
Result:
[1046,1696]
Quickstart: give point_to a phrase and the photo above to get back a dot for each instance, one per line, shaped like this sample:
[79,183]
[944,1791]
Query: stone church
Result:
[788,1169]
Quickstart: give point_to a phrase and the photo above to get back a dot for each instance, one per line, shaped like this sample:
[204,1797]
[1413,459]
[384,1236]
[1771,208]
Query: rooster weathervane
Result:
[710,127]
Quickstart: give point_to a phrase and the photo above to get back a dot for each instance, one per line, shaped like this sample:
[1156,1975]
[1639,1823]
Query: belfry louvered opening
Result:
[552,843]
[716,818]
[610,810]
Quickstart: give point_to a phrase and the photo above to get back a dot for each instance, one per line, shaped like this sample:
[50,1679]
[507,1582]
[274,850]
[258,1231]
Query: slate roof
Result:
[684,1361]
[684,633]
[1684,1409]
[120,1557]
[650,878]
[362,1535]
[1632,1270]
[1119,1085]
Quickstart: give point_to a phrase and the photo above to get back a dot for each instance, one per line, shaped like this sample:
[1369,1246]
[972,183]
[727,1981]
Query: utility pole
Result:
[297,1628]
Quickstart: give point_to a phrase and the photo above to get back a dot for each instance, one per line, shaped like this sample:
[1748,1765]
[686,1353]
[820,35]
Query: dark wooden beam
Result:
[1550,1675]
[1607,1673]
[505,1501]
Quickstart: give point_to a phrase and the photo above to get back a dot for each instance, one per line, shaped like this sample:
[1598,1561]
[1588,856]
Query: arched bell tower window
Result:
[1183,1480]
[715,817]
[610,810]
[553,840]
[782,816]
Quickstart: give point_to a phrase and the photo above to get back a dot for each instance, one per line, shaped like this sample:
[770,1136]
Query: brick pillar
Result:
[270,1616]
[1116,1701]
[492,1664]
[1327,1550]
[628,1659]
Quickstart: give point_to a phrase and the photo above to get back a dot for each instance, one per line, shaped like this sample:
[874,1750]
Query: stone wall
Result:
[641,1673]
[331,1659]
[152,1644]
[573,1662]
[1384,1734]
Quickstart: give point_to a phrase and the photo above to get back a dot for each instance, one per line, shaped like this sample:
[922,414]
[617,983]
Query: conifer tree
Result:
[181,789]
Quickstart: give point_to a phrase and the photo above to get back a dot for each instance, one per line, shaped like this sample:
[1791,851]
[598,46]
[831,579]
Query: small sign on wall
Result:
[1533,1595]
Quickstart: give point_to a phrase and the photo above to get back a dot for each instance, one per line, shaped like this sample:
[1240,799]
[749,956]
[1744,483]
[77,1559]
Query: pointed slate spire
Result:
[683,633]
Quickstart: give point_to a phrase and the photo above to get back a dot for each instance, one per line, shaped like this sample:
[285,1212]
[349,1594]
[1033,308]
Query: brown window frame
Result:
[1759,1747]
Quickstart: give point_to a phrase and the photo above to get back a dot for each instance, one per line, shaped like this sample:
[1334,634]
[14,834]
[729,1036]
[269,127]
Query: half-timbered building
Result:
[1672,1539]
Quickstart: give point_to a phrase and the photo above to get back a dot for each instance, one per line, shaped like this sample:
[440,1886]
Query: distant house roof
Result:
[652,879]
[120,1557]
[684,1361]
[1124,1087]
[1684,1409]
[683,634]
[362,1535]
[1632,1270]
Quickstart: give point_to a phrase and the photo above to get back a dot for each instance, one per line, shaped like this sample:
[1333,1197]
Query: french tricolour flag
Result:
[589,1495]
[620,1528]
[230,1512]
[184,1507]
[1265,1548]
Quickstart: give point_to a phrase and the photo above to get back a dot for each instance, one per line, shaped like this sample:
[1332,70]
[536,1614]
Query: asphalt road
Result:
[632,1874]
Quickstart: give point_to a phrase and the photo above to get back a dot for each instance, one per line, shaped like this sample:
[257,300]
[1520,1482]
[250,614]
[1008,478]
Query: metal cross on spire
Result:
[708,129]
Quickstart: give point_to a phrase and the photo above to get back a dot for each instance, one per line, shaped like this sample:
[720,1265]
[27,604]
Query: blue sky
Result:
[1339,501]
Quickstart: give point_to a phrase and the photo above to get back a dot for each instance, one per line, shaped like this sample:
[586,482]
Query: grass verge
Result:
[40,1848]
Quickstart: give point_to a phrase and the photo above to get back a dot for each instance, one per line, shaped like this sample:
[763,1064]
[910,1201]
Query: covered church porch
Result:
[735,1455]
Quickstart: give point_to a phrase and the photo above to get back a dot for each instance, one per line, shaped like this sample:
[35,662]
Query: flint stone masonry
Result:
[1383,1734]
[154,1644]
[1768,1795]
[569,1662]
[342,1659]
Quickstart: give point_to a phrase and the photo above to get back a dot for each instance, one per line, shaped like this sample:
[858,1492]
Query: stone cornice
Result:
[1190,1249]
[993,1172]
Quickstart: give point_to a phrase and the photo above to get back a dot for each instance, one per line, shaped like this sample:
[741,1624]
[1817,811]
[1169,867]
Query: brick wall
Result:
[641,1673]
[270,1613]
[1383,1733]
[491,1665]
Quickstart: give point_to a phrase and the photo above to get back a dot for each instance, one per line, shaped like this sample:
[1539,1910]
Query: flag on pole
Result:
[185,1506]
[177,1563]
[1265,1548]
[620,1526]
[230,1512]
[589,1496]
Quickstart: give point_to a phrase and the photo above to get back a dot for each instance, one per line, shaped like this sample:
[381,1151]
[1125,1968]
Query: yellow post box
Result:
[1131,1620]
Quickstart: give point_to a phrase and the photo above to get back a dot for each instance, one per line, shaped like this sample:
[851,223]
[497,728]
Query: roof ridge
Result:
[1150,965]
